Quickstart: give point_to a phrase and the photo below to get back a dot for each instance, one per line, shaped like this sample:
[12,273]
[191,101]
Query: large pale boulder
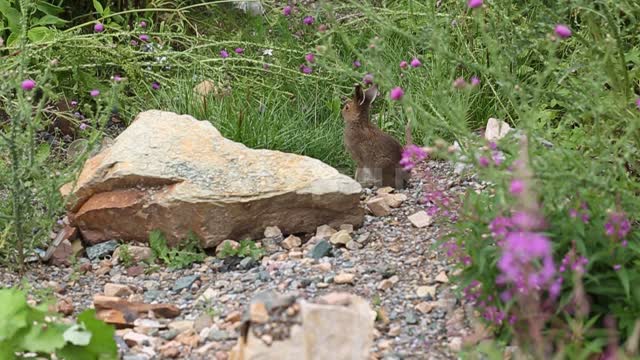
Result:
[177,174]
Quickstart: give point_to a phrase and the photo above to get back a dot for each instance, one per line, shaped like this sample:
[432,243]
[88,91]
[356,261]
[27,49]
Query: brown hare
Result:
[377,154]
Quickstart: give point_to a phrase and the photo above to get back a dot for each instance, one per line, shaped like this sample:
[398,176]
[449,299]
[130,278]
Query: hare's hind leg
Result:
[366,176]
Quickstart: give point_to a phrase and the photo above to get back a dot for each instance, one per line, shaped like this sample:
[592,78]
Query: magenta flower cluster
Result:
[411,155]
[618,226]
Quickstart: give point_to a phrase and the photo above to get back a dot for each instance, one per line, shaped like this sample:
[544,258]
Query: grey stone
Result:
[185,282]
[247,263]
[102,250]
[169,334]
[322,249]
[218,335]
[152,295]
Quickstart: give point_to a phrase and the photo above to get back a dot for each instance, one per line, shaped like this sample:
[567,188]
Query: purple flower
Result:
[563,31]
[28,85]
[265,66]
[155,85]
[618,225]
[224,54]
[144,37]
[617,267]
[475,81]
[459,83]
[474,3]
[306,69]
[117,78]
[357,64]
[286,11]
[239,50]
[98,27]
[308,20]
[134,43]
[483,161]
[310,58]
[516,187]
[499,227]
[498,157]
[74,103]
[396,93]
[638,103]
[83,126]
[94,92]
[403,64]
[368,79]
[493,145]
[415,63]
[411,154]
[143,24]
[521,252]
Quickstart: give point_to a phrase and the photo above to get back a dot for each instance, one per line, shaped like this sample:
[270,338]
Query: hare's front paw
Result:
[368,177]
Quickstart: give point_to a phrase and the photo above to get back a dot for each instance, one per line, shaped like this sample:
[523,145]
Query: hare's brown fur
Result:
[376,153]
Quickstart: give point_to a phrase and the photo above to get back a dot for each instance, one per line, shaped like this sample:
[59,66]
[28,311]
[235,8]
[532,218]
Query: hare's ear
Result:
[358,95]
[370,94]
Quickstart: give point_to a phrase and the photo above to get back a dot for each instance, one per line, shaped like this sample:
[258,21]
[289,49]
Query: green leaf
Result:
[48,8]
[623,275]
[12,15]
[50,20]
[13,312]
[40,33]
[77,335]
[98,6]
[43,337]
[102,343]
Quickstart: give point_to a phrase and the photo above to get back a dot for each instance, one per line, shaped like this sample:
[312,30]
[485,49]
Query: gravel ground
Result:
[395,266]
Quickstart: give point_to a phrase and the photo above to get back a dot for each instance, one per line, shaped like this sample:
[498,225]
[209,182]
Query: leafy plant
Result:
[33,329]
[41,15]
[181,256]
[246,248]
[124,255]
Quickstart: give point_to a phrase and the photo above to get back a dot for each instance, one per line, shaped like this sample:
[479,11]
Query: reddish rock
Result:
[62,254]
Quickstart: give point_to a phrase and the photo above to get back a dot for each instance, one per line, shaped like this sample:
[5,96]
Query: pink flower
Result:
[516,187]
[155,85]
[144,37]
[117,78]
[368,79]
[308,20]
[459,83]
[483,161]
[83,126]
[638,103]
[94,92]
[410,155]
[74,103]
[98,27]
[356,64]
[239,50]
[475,81]
[403,64]
[396,93]
[563,31]
[28,85]
[310,58]
[143,24]
[474,3]
[415,63]
[224,54]
[306,69]
[617,267]
[133,43]
[286,11]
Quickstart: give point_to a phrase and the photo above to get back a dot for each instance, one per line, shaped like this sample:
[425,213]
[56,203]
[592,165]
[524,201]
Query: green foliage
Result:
[27,329]
[41,14]
[180,256]
[124,255]
[246,248]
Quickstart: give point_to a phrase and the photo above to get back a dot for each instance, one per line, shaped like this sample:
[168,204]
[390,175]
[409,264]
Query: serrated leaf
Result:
[98,6]
[50,20]
[77,335]
[39,34]
[13,312]
[102,343]
[43,337]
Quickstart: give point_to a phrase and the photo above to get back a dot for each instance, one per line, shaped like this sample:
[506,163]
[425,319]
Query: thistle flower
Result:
[224,54]
[133,43]
[239,50]
[483,161]
[83,126]
[562,31]
[143,24]
[475,81]
[28,85]
[459,83]
[637,101]
[474,3]
[310,58]
[286,11]
[155,85]
[415,63]
[94,92]
[306,69]
[144,37]
[516,187]
[98,27]
[357,64]
[404,64]
[396,93]
[74,103]
[411,153]
[308,20]
[368,79]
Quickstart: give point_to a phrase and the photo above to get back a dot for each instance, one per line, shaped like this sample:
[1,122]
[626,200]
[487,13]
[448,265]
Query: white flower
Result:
[268,52]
